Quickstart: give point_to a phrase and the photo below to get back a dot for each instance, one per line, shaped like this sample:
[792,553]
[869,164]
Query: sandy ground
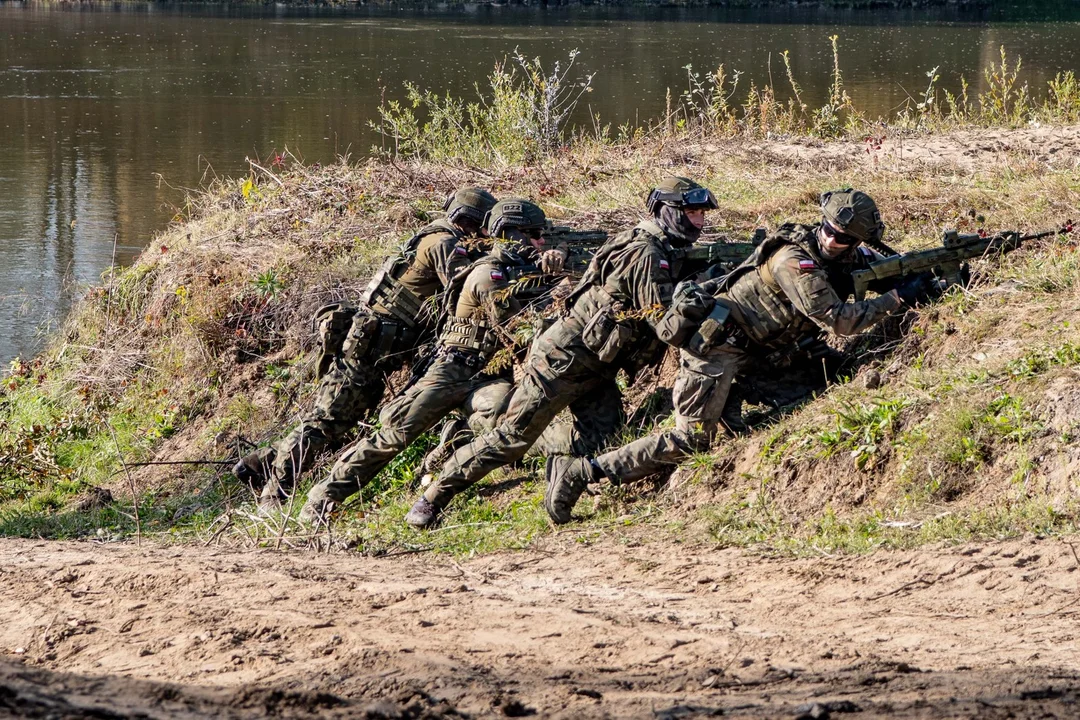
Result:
[616,629]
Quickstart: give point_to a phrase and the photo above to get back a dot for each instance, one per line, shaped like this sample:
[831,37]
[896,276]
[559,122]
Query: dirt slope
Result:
[609,630]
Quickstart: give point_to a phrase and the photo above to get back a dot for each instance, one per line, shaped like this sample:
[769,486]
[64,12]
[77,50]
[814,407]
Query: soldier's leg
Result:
[700,393]
[532,407]
[596,419]
[346,395]
[479,414]
[443,387]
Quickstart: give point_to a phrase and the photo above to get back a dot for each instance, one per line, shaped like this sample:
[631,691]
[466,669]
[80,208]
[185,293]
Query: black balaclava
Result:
[677,225]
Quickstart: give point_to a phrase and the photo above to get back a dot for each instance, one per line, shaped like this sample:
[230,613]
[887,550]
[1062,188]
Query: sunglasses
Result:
[838,237]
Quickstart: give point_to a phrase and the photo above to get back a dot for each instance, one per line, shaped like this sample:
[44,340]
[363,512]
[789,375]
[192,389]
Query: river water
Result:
[107,111]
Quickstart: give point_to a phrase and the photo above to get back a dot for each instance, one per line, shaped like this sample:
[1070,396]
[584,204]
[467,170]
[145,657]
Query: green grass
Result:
[209,335]
[756,526]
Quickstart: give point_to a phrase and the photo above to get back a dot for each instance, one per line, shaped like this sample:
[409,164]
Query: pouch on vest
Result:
[332,322]
[361,337]
[690,307]
[605,336]
[385,291]
[713,331]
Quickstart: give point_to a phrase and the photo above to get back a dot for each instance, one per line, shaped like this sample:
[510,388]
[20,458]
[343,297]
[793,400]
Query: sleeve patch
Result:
[458,250]
[665,265]
[807,265]
[865,251]
[496,275]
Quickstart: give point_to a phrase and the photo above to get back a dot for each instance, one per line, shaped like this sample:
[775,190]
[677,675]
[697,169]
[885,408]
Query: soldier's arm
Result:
[650,285]
[447,257]
[807,287]
[494,294]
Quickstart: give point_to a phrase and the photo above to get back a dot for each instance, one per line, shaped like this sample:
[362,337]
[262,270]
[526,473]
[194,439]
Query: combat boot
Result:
[254,468]
[567,478]
[316,512]
[270,504]
[423,513]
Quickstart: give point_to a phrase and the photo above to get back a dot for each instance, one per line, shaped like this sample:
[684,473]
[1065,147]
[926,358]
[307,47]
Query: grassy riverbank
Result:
[204,345]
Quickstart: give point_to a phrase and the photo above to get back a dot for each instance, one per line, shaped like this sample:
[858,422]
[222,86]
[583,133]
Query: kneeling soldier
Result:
[484,301]
[608,325]
[370,343]
[794,285]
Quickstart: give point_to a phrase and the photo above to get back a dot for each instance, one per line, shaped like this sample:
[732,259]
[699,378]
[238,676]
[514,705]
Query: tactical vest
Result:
[758,304]
[474,333]
[385,291]
[596,303]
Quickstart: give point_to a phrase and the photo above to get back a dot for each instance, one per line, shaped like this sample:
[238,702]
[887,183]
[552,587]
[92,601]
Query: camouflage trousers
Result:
[374,348]
[700,393]
[548,386]
[451,383]
[780,385]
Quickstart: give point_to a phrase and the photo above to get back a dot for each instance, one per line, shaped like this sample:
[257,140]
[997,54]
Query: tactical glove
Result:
[917,289]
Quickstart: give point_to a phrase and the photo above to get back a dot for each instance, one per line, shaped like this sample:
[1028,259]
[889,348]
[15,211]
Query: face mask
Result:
[677,225]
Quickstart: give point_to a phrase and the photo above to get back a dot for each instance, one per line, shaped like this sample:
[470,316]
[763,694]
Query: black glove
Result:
[917,289]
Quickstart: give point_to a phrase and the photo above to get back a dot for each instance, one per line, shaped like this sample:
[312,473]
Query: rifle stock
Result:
[948,263]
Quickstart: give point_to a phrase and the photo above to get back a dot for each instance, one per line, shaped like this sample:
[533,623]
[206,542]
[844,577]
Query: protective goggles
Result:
[838,237]
[702,197]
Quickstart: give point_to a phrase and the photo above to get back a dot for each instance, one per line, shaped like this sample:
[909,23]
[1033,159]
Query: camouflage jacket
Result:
[787,291]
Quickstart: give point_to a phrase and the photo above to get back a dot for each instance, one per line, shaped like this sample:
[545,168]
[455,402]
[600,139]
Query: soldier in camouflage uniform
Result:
[362,346]
[609,324]
[795,285]
[481,301]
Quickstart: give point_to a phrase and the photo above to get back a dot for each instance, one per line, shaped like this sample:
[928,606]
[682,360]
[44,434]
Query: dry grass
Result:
[205,343]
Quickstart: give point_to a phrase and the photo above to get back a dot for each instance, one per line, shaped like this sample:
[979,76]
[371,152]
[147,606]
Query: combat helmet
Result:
[681,193]
[518,214]
[473,203]
[854,214]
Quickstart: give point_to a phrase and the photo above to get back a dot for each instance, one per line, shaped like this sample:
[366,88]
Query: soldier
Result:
[481,300]
[794,285]
[362,346]
[608,325]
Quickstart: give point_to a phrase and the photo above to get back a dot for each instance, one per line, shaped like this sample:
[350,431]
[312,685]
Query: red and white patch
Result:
[665,265]
[807,265]
[460,250]
[496,275]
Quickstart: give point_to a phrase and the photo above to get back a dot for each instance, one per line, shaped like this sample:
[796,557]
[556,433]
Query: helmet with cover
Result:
[680,192]
[669,202]
[469,204]
[852,217]
[518,214]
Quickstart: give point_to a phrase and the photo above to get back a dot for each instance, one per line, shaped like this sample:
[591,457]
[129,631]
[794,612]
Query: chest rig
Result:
[386,292]
[474,339]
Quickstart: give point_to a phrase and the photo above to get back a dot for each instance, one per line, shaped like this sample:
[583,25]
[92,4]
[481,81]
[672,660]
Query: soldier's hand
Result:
[917,290]
[552,261]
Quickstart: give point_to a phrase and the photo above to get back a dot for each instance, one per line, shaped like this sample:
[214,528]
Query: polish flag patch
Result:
[665,265]
[496,275]
[807,265]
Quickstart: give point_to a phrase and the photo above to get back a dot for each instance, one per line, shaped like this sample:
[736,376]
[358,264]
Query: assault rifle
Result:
[948,263]
[714,250]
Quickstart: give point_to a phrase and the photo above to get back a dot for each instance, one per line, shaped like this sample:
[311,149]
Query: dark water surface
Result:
[96,101]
